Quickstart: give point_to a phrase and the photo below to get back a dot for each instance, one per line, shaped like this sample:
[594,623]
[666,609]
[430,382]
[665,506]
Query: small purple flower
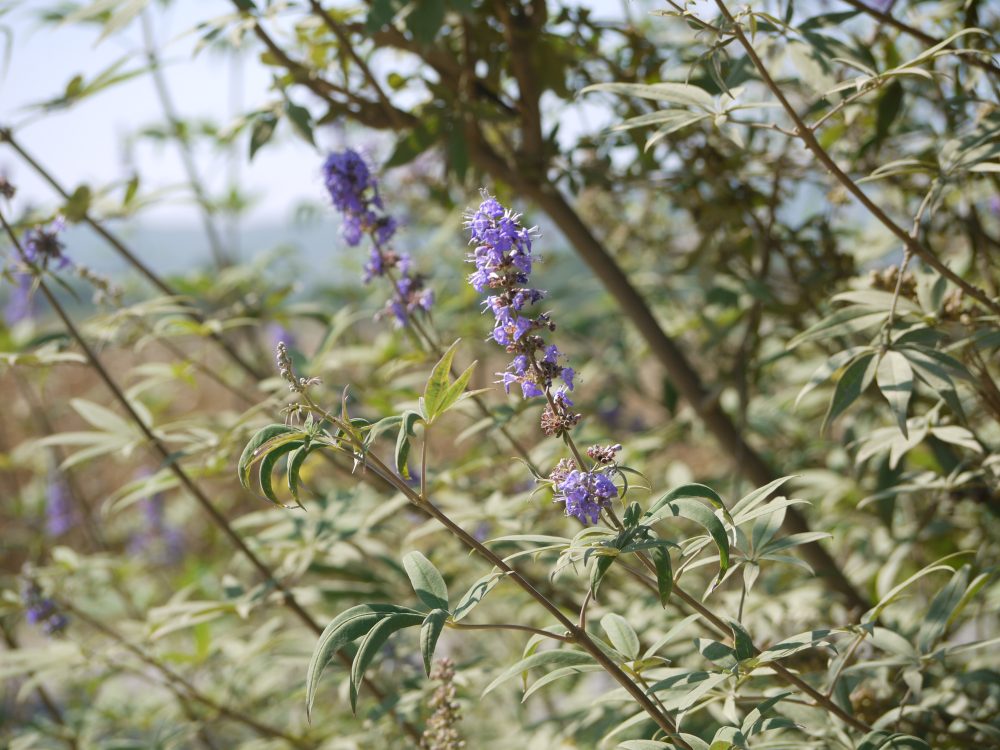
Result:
[585,494]
[43,247]
[59,515]
[41,610]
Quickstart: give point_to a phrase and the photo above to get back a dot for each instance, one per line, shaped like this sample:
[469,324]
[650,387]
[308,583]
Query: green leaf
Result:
[754,721]
[675,93]
[476,593]
[664,573]
[741,510]
[414,143]
[851,385]
[894,377]
[343,629]
[430,631]
[846,321]
[301,121]
[406,431]
[826,370]
[943,605]
[882,740]
[559,657]
[426,580]
[249,455]
[889,106]
[688,490]
[873,614]
[602,564]
[263,130]
[267,466]
[793,645]
[437,384]
[621,635]
[686,507]
[295,461]
[455,390]
[645,745]
[425,20]
[717,653]
[371,644]
[743,644]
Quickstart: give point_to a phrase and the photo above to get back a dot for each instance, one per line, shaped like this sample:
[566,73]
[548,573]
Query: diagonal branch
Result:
[910,243]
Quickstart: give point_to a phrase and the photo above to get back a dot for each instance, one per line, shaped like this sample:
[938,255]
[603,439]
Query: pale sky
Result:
[85,142]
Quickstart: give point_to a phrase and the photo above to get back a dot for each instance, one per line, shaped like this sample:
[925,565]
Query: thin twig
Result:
[810,141]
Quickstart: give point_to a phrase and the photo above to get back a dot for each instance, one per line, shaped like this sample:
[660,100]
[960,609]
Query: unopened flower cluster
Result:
[354,192]
[502,254]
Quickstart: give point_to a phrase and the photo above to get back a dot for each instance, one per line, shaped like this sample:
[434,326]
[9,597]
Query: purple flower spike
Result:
[354,192]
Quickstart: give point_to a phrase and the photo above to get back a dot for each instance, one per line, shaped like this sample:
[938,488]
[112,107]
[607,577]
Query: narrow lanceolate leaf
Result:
[252,451]
[430,631]
[454,391]
[407,423]
[685,507]
[426,580]
[621,635]
[688,490]
[295,461]
[894,377]
[742,643]
[371,644]
[851,385]
[476,593]
[664,573]
[343,629]
[942,606]
[754,721]
[267,465]
[754,498]
[438,383]
[675,93]
[793,645]
[560,657]
[826,370]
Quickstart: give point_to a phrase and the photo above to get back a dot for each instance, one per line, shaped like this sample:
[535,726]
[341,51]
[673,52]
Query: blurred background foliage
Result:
[733,312]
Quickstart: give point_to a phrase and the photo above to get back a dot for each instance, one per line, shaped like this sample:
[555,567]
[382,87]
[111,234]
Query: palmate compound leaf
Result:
[371,644]
[346,628]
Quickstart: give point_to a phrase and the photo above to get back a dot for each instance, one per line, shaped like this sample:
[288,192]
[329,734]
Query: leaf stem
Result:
[511,626]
